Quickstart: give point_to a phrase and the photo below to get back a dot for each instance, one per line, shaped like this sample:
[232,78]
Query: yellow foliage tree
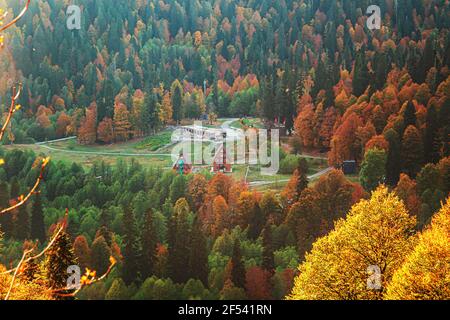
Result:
[426,273]
[166,110]
[377,233]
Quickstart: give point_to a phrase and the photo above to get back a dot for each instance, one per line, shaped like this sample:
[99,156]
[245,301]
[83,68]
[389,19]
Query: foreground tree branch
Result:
[12,109]
[87,280]
[25,260]
[14,21]
[16,272]
[24,199]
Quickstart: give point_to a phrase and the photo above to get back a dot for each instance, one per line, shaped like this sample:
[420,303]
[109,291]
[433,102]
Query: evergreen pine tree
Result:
[149,243]
[431,136]
[256,222]
[130,268]
[100,253]
[302,181]
[22,223]
[176,94]
[444,119]
[37,220]
[15,188]
[198,260]
[409,116]
[238,269]
[268,262]
[361,74]
[58,258]
[179,242]
[393,162]
[412,152]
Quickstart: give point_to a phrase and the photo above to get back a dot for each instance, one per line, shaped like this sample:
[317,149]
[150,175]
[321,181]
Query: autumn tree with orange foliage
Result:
[87,133]
[105,131]
[221,215]
[344,145]
[122,125]
[61,125]
[197,188]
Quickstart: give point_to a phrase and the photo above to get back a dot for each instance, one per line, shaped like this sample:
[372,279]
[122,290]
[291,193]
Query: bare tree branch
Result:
[12,109]
[24,199]
[40,254]
[27,252]
[87,282]
[14,21]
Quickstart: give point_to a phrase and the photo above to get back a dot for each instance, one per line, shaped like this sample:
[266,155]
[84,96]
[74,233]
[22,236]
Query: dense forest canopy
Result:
[245,53]
[378,98]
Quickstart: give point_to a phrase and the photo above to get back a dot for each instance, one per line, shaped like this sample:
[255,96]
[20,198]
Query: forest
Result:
[379,99]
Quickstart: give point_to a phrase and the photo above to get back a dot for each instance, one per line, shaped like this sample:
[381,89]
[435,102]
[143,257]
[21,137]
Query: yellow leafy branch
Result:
[24,260]
[88,279]
[16,272]
[60,229]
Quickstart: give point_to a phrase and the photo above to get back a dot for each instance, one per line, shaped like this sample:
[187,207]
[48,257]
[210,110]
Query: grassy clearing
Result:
[154,143]
[142,145]
[87,160]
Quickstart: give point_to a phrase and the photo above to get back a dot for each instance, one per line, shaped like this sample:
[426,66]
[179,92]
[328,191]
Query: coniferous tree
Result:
[444,123]
[58,258]
[176,94]
[256,222]
[373,169]
[268,101]
[22,223]
[361,73]
[15,188]
[238,269]
[37,220]
[409,116]
[99,256]
[198,260]
[381,70]
[431,144]
[149,243]
[106,234]
[302,181]
[105,101]
[82,252]
[393,161]
[130,268]
[31,270]
[412,152]
[268,262]
[179,242]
